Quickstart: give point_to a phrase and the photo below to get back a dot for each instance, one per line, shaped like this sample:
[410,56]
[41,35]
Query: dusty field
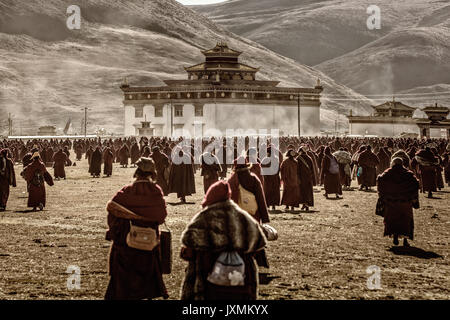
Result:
[319,255]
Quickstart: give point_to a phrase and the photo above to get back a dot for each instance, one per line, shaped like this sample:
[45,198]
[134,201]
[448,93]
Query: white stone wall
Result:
[129,121]
[382,129]
[228,116]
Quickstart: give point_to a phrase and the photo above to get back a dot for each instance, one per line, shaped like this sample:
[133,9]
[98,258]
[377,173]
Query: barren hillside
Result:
[48,73]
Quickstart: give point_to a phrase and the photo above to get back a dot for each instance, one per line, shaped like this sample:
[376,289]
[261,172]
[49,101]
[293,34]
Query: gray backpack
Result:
[334,166]
[228,271]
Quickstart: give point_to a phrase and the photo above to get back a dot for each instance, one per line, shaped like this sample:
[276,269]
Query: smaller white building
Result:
[390,119]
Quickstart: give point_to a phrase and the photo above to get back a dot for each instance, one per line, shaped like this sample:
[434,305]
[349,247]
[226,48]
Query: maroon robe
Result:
[136,274]
[425,163]
[291,186]
[384,161]
[330,181]
[95,167]
[7,179]
[272,184]
[251,182]
[124,154]
[36,175]
[108,158]
[59,163]
[368,161]
[162,164]
[306,178]
[181,178]
[210,172]
[398,190]
[135,153]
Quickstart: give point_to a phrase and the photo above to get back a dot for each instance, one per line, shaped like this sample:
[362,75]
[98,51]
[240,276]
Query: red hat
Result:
[218,192]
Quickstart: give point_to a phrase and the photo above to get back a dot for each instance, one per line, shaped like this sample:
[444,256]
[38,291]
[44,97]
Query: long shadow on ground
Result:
[266,278]
[414,252]
[179,203]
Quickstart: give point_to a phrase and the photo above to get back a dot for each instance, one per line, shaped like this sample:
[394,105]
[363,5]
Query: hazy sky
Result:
[198,2]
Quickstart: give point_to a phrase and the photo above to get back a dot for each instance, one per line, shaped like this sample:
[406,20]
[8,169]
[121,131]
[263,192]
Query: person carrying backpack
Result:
[329,175]
[220,243]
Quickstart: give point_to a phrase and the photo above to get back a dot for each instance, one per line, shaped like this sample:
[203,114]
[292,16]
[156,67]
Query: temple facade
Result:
[220,94]
[436,125]
[394,118]
[389,119]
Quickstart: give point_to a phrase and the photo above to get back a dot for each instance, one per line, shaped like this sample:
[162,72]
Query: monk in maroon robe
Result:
[446,163]
[162,164]
[425,163]
[108,158]
[7,178]
[181,178]
[88,155]
[344,160]
[136,274]
[221,224]
[329,174]
[368,162]
[210,170]
[59,163]
[79,151]
[306,179]
[289,178]
[95,167]
[384,158]
[135,153]
[398,192]
[36,176]
[124,154]
[242,176]
[272,182]
[252,157]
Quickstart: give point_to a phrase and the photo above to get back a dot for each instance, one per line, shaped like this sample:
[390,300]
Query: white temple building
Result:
[220,93]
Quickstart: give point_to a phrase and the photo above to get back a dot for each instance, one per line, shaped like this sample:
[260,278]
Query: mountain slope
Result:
[311,31]
[410,51]
[48,73]
[400,61]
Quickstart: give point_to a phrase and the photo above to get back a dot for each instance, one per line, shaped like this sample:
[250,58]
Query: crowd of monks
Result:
[301,164]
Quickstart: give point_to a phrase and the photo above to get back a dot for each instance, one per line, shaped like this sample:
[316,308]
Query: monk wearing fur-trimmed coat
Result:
[220,226]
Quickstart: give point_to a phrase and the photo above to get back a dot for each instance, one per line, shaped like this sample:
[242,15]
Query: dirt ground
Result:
[319,255]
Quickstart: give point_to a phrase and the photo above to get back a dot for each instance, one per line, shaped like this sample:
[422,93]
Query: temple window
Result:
[198,110]
[178,110]
[158,111]
[138,111]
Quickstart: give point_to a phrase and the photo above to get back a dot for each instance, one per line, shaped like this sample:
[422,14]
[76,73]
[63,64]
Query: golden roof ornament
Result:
[125,83]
